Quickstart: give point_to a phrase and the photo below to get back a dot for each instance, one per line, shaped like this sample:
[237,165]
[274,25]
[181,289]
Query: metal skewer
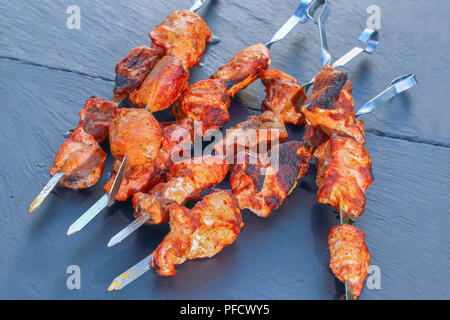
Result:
[371,37]
[304,12]
[48,188]
[108,199]
[51,184]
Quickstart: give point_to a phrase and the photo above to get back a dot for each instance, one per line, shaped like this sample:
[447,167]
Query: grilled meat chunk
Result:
[200,232]
[206,101]
[132,70]
[96,117]
[81,159]
[330,107]
[349,257]
[244,68]
[253,134]
[144,177]
[162,86]
[261,185]
[186,180]
[284,96]
[183,34]
[137,134]
[344,172]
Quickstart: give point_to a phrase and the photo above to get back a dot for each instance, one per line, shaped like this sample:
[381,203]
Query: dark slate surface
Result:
[49,71]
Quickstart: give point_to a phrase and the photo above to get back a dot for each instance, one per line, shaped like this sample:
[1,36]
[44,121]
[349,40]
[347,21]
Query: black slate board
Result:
[48,71]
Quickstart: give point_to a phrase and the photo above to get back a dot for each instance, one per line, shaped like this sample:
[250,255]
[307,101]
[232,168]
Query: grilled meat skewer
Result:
[183,34]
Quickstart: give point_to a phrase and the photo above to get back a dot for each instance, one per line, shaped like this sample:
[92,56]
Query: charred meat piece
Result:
[206,101]
[162,86]
[96,117]
[331,109]
[183,34]
[284,96]
[349,257]
[328,84]
[143,177]
[186,180]
[314,137]
[137,134]
[132,70]
[244,68]
[344,172]
[253,134]
[261,184]
[81,159]
[200,232]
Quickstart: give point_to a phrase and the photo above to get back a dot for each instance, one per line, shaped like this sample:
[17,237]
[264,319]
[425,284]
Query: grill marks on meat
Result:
[200,232]
[135,133]
[253,134]
[344,172]
[244,68]
[330,107]
[183,34]
[284,96]
[81,159]
[260,186]
[206,101]
[132,70]
[186,180]
[144,177]
[162,86]
[349,257]
[96,117]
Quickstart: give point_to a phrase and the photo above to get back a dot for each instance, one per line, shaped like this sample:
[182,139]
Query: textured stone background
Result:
[48,71]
